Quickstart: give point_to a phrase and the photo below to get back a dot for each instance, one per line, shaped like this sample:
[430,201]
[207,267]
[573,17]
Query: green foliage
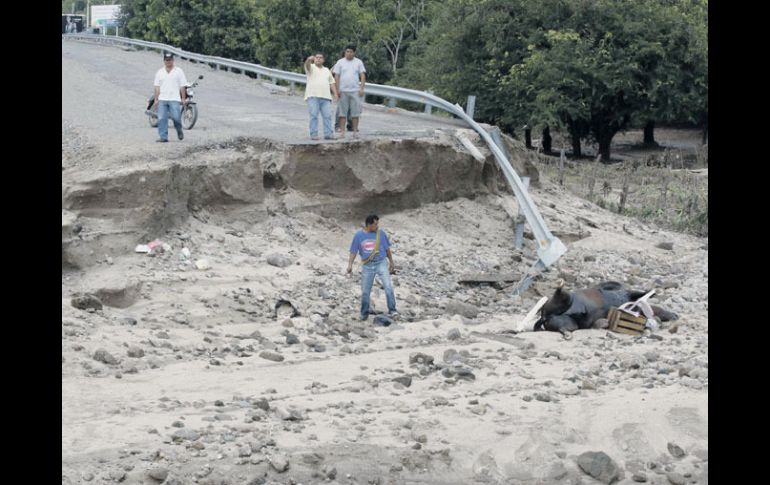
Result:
[590,67]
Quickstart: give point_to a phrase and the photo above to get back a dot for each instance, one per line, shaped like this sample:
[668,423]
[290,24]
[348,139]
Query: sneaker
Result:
[313,137]
[363,318]
[329,138]
[356,135]
[180,135]
[161,140]
[394,314]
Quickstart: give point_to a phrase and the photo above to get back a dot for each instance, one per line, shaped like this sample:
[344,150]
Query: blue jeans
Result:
[314,105]
[368,271]
[164,107]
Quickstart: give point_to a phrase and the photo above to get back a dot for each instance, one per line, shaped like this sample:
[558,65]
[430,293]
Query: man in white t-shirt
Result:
[349,73]
[170,93]
[319,92]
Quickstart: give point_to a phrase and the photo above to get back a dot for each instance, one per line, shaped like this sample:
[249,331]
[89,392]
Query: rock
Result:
[130,321]
[135,352]
[588,385]
[382,320]
[631,361]
[319,348]
[262,404]
[599,465]
[202,264]
[542,396]
[639,477]
[274,356]
[451,355]
[88,477]
[102,355]
[185,434]
[278,260]
[420,358]
[158,473]
[279,462]
[466,374]
[675,450]
[601,323]
[86,301]
[676,478]
[289,413]
[569,390]
[691,383]
[406,381]
[460,308]
[453,334]
[478,409]
[117,475]
[651,356]
[669,246]
[292,339]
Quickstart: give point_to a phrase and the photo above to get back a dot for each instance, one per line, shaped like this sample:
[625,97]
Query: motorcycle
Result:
[189,112]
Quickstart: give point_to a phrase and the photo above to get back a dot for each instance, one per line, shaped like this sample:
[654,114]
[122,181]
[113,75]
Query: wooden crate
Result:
[623,322]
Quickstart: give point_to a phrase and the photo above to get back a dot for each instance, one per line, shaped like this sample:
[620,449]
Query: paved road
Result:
[104,90]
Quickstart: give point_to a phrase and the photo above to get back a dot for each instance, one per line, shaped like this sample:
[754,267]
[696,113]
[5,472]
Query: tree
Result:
[290,30]
[396,24]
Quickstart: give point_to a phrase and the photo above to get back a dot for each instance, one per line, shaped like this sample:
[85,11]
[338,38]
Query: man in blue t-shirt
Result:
[373,245]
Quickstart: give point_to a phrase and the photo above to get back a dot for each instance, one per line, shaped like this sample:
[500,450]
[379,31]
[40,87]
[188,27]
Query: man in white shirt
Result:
[319,92]
[170,93]
[349,73]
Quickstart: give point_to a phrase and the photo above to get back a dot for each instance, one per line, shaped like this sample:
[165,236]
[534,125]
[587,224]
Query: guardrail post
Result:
[428,107]
[392,102]
[471,106]
[520,220]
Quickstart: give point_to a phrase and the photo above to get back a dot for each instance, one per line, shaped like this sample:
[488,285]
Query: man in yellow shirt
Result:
[319,92]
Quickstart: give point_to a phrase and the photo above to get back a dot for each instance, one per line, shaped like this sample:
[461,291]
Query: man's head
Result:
[319,59]
[350,52]
[372,221]
[168,59]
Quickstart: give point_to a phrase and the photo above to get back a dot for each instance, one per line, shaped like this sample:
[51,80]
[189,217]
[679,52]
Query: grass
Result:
[656,189]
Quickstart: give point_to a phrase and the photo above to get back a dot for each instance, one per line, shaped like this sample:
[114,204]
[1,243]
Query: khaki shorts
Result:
[351,105]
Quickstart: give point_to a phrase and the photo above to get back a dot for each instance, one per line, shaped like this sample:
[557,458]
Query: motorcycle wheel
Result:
[190,116]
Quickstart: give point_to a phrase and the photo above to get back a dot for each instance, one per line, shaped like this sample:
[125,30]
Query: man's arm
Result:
[362,77]
[308,63]
[182,85]
[157,94]
[391,266]
[337,83]
[333,86]
[350,261]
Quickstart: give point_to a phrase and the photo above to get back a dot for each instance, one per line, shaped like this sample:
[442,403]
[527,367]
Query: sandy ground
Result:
[534,404]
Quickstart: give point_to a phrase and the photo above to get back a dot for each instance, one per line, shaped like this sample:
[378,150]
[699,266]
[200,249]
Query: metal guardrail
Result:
[549,247]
